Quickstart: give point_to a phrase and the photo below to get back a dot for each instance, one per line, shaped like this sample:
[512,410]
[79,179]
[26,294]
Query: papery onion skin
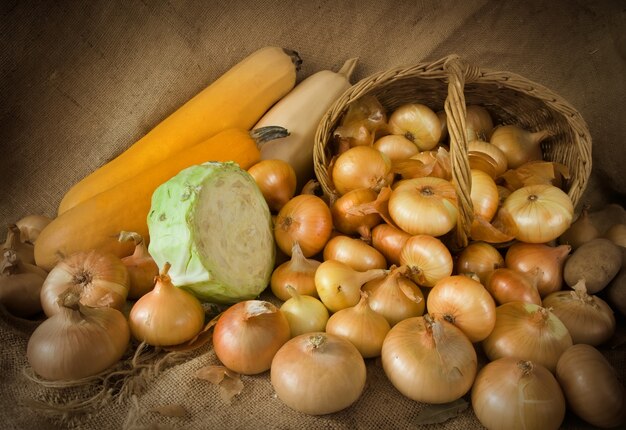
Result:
[509,394]
[541,212]
[479,258]
[589,319]
[248,334]
[425,205]
[429,361]
[427,258]
[318,373]
[349,223]
[465,303]
[528,332]
[592,387]
[305,219]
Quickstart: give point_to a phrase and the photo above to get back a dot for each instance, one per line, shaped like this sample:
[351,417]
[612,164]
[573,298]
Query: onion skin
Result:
[318,373]
[248,334]
[509,393]
[592,387]
[427,259]
[428,360]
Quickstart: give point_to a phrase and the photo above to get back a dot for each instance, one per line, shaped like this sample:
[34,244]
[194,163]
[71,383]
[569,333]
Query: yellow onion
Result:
[517,394]
[588,318]
[354,252]
[305,314]
[396,147]
[318,373]
[465,303]
[424,206]
[361,167]
[486,157]
[418,123]
[484,195]
[480,259]
[348,219]
[527,332]
[248,334]
[298,272]
[142,269]
[518,145]
[277,181]
[429,360]
[389,240]
[540,212]
[395,296]
[362,326]
[507,285]
[544,263]
[427,259]
[478,122]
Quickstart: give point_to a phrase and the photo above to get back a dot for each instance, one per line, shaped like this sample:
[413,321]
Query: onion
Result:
[518,145]
[360,325]
[78,341]
[167,315]
[592,387]
[527,332]
[389,240]
[484,195]
[507,285]
[589,319]
[429,360]
[101,277]
[581,231]
[486,157]
[427,259]
[31,225]
[142,269]
[248,334]
[542,262]
[465,303]
[478,122]
[349,222]
[480,259]
[396,147]
[541,212]
[305,219]
[339,285]
[305,314]
[361,167]
[424,206]
[510,393]
[277,181]
[354,252]
[395,296]
[298,272]
[318,373]
[418,123]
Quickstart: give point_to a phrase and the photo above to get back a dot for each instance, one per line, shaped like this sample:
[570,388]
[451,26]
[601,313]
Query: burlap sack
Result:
[81,81]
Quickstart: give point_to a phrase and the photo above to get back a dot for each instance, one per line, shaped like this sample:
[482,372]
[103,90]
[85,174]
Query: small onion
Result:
[277,181]
[592,387]
[418,123]
[427,259]
[305,219]
[396,147]
[544,262]
[248,334]
[520,146]
[298,272]
[465,303]
[515,394]
[360,325]
[480,259]
[395,296]
[478,122]
[589,319]
[581,231]
[305,314]
[361,167]
[345,221]
[484,195]
[429,360]
[356,253]
[527,332]
[318,373]
[540,212]
[389,240]
[507,285]
[424,206]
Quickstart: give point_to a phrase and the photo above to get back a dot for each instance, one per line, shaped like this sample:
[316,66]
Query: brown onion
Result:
[507,285]
[480,259]
[389,240]
[427,259]
[356,253]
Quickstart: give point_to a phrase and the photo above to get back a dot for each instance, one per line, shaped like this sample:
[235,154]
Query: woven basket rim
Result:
[462,74]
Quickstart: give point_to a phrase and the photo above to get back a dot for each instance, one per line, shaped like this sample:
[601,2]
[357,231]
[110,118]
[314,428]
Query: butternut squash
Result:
[97,222]
[237,99]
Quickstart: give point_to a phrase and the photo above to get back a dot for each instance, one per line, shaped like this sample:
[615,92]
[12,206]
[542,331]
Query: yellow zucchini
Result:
[300,112]
[97,222]
[237,99]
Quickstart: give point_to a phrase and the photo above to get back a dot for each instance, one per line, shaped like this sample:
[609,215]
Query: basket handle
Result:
[459,72]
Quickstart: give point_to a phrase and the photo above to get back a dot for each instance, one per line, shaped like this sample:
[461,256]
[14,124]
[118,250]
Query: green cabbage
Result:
[212,224]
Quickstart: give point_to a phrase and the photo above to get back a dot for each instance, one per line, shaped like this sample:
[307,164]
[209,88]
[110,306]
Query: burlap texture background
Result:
[81,81]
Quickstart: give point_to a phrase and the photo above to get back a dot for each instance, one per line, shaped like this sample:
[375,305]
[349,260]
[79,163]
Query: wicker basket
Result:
[450,83]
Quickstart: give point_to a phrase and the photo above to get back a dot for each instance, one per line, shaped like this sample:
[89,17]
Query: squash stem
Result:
[262,135]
